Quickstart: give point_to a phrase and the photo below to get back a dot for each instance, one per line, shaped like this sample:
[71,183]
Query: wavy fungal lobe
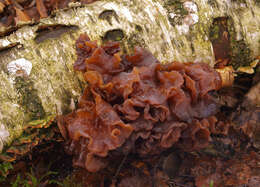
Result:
[134,104]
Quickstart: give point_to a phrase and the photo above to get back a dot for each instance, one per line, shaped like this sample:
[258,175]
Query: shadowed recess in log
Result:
[134,104]
[52,32]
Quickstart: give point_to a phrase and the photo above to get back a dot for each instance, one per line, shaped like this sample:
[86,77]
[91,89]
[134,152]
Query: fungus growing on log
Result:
[134,104]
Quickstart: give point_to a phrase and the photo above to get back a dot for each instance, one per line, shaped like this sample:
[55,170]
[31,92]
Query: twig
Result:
[120,167]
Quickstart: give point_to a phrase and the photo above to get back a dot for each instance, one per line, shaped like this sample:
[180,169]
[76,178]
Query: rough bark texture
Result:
[43,83]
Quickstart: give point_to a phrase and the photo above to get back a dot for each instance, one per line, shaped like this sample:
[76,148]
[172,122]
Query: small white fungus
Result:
[20,67]
[4,134]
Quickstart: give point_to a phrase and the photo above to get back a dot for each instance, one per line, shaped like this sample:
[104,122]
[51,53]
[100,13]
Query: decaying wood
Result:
[42,82]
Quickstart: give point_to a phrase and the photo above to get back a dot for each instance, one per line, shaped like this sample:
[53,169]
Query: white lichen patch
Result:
[190,19]
[127,14]
[5,42]
[20,67]
[4,134]
[183,29]
[172,15]
[190,6]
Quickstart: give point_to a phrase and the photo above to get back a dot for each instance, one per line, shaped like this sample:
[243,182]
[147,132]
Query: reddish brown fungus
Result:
[134,104]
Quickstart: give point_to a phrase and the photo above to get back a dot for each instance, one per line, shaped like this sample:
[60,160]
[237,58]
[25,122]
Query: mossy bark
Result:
[52,85]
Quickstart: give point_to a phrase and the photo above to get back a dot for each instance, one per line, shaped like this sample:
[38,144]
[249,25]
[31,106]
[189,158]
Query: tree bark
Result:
[42,82]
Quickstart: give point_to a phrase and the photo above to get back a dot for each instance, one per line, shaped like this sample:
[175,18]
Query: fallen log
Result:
[37,80]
